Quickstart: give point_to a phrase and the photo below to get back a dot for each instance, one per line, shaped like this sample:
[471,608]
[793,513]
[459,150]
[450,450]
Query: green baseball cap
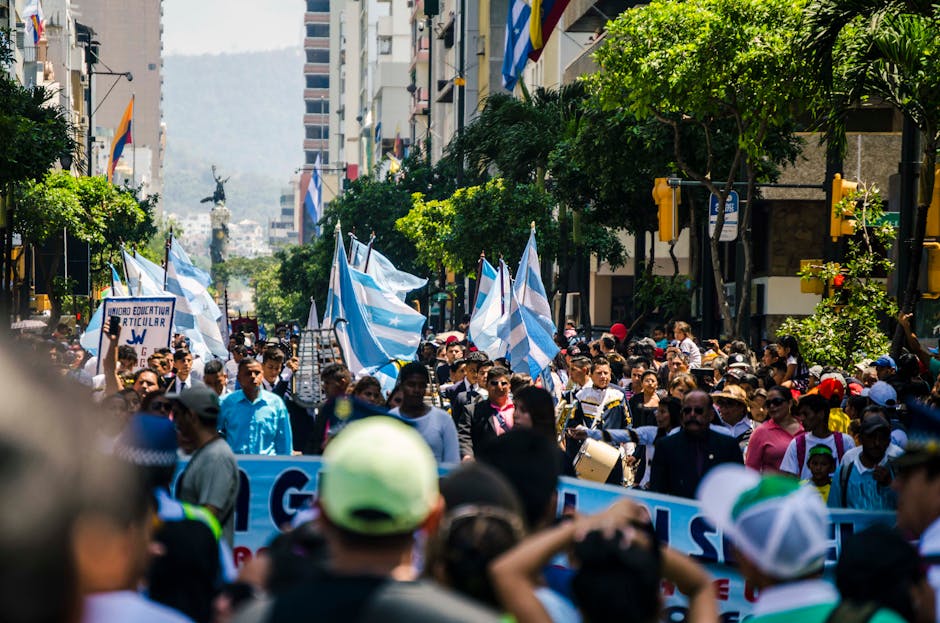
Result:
[378,478]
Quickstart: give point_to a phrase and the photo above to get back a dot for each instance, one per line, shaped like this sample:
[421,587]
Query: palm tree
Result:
[887,50]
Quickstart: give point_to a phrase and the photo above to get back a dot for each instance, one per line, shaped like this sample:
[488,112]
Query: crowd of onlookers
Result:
[120,485]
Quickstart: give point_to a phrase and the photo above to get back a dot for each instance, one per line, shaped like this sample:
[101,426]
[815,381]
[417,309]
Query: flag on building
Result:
[35,21]
[122,137]
[378,132]
[528,286]
[518,43]
[366,259]
[528,28]
[488,322]
[313,200]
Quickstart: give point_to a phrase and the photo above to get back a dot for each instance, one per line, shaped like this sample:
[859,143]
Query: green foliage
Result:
[848,326]
[33,133]
[272,302]
[493,217]
[670,296]
[91,208]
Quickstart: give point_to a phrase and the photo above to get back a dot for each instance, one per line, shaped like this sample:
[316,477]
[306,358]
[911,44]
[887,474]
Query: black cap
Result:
[873,422]
[200,399]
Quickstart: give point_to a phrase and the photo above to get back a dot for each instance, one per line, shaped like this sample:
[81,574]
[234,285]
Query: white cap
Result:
[779,525]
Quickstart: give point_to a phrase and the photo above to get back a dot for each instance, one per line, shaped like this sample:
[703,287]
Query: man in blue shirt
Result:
[252,420]
[864,482]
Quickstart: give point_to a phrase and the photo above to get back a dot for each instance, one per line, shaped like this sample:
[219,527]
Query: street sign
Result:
[730,230]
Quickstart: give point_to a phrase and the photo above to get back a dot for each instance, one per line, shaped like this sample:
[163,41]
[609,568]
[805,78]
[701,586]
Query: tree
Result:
[883,49]
[493,217]
[729,67]
[848,323]
[33,136]
[91,209]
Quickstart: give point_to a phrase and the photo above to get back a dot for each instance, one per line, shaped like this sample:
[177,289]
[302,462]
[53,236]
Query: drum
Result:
[595,460]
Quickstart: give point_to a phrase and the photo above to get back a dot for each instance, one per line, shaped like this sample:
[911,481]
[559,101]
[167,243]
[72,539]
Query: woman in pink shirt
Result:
[769,441]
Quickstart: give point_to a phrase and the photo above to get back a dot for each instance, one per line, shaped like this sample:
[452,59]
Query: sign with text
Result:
[146,324]
[273,489]
[729,232]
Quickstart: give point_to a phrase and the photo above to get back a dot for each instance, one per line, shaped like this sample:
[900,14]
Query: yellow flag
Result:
[535,25]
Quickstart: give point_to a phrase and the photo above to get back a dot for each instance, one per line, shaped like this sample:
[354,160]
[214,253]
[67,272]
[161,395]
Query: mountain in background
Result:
[241,112]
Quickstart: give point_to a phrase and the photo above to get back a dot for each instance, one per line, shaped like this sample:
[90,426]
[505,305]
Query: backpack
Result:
[801,449]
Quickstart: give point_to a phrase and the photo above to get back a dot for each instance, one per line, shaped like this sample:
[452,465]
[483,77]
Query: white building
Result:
[247,239]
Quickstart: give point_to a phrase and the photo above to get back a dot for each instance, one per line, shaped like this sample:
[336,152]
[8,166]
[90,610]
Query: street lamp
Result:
[85,35]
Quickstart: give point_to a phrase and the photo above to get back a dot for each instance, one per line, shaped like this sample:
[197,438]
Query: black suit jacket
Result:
[476,428]
[675,463]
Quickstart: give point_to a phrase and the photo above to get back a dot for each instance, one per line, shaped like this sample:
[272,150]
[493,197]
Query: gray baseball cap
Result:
[200,399]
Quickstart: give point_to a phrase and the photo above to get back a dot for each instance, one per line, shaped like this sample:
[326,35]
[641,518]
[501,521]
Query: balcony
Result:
[445,91]
[420,51]
[419,102]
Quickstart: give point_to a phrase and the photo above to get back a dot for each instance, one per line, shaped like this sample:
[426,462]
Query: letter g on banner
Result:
[287,495]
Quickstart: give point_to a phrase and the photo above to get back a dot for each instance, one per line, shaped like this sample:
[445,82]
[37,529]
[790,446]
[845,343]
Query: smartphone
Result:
[114,325]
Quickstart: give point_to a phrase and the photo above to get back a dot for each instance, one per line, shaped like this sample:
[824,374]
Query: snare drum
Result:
[596,460]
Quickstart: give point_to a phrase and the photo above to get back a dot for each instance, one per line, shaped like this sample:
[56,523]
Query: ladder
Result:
[317,348]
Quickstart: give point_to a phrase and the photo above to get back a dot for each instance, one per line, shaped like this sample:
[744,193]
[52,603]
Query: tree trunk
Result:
[564,268]
[925,185]
[744,231]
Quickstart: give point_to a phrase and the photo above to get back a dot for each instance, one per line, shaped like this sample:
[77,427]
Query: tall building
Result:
[126,39]
[317,82]
[285,229]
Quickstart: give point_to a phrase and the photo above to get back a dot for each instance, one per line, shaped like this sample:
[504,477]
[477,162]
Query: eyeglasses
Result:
[776,402]
[162,406]
[697,410]
[500,383]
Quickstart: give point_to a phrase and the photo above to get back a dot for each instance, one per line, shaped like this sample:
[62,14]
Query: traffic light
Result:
[667,201]
[811,283]
[933,211]
[930,271]
[841,222]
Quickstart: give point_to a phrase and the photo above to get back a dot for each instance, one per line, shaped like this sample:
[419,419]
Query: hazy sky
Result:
[214,26]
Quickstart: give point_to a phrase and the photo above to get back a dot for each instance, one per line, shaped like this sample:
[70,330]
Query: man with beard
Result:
[682,459]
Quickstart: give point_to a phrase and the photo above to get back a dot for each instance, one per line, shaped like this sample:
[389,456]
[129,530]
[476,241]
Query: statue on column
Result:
[218,246]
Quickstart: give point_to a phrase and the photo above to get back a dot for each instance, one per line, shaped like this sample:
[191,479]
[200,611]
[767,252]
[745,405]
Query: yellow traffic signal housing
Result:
[841,222]
[933,211]
[930,276]
[667,201]
[813,284]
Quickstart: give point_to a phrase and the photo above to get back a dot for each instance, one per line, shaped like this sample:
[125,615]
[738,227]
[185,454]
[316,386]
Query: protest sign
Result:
[146,324]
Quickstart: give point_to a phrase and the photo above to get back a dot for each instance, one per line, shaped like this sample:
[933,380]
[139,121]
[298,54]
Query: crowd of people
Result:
[128,508]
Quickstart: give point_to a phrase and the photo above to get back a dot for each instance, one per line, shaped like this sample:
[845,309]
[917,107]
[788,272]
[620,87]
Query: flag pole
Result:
[126,279]
[352,237]
[476,284]
[166,257]
[525,282]
[133,145]
[502,287]
[365,268]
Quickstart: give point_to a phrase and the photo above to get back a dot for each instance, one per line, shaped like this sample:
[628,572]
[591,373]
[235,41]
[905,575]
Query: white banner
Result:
[146,324]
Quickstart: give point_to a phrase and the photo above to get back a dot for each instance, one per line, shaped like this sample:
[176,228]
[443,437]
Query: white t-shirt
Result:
[789,458]
[688,347]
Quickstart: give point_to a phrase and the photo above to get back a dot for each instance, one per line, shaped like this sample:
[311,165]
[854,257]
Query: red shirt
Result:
[767,446]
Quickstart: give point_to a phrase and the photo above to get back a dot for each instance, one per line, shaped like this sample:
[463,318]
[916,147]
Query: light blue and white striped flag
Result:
[185,266]
[313,200]
[531,347]
[139,281]
[518,42]
[91,338]
[184,320]
[380,268]
[489,322]
[195,303]
[117,288]
[361,348]
[396,325]
[528,286]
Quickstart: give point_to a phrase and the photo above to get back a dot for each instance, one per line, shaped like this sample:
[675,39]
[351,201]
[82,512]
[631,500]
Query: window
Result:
[318,6]
[317,132]
[318,55]
[311,157]
[318,30]
[385,45]
[318,107]
[318,81]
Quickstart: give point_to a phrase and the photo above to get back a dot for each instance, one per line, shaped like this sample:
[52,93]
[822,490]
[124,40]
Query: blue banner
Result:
[273,489]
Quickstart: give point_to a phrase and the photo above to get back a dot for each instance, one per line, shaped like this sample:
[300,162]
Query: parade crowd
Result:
[125,511]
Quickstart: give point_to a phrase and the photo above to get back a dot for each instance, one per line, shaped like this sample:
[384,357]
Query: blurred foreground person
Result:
[378,486]
[780,533]
[620,566]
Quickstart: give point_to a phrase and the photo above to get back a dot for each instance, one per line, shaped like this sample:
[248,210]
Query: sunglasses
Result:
[500,383]
[775,402]
[162,406]
[697,410]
